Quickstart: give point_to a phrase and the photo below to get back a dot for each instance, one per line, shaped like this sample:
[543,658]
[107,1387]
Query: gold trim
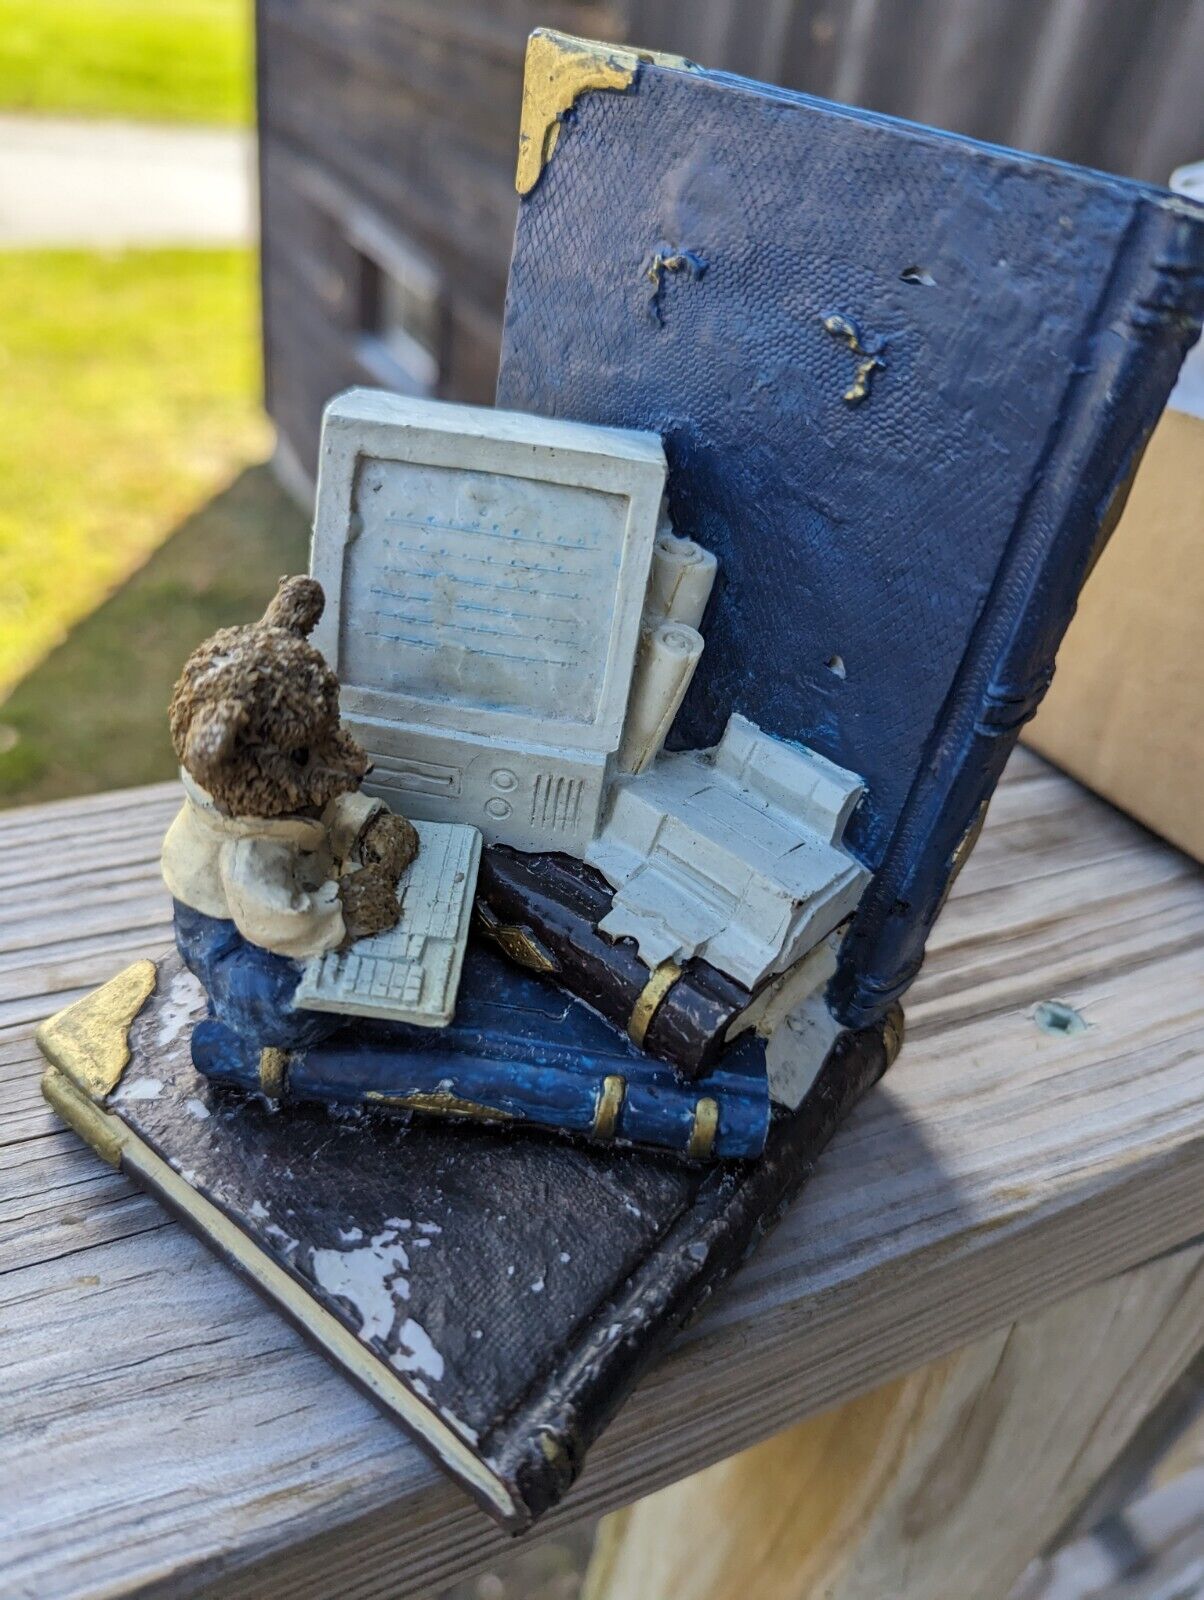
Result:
[65,1096]
[273,1071]
[892,1033]
[560,68]
[650,997]
[440,1103]
[106,1133]
[968,840]
[519,943]
[706,1126]
[608,1105]
[90,1040]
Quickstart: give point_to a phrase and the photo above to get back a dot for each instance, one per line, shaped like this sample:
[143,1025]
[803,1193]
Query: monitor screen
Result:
[480,589]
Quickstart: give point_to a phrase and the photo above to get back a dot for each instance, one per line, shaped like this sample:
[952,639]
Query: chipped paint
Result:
[183,1001]
[687,261]
[371,1278]
[419,1354]
[844,328]
[139,1089]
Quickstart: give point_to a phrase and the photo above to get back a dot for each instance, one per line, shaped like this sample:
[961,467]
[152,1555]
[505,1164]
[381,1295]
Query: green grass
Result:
[93,715]
[128,395]
[170,60]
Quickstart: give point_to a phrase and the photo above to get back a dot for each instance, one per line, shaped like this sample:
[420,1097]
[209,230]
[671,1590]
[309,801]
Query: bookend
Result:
[574,827]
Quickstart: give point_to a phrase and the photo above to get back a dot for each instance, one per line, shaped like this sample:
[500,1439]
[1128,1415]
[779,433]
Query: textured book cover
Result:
[497,1296]
[903,380]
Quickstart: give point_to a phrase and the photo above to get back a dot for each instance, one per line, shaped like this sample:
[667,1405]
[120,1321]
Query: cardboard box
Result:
[1123,714]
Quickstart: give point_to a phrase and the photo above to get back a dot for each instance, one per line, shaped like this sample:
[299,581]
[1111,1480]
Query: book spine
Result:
[1149,316]
[626,1102]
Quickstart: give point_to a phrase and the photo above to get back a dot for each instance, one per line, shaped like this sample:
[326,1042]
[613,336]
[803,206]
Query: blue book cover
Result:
[903,380]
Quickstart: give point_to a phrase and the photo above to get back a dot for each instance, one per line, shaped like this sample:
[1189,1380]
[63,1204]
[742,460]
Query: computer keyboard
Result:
[410,973]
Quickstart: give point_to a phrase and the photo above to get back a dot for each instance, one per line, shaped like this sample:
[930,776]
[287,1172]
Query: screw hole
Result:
[835,665]
[918,275]
[1055,1016]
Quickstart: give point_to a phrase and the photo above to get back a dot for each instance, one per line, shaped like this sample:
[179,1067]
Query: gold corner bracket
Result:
[89,1042]
[559,69]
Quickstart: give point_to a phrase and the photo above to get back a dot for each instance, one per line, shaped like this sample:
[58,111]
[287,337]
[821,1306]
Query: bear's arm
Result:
[271,907]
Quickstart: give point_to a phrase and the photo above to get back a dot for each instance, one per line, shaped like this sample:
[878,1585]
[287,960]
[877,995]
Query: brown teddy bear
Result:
[275,855]
[275,834]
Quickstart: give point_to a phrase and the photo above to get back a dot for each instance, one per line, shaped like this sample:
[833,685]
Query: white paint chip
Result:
[183,1001]
[372,1279]
[138,1089]
[420,1354]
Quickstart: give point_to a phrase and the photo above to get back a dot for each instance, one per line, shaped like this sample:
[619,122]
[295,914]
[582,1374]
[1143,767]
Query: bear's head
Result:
[255,715]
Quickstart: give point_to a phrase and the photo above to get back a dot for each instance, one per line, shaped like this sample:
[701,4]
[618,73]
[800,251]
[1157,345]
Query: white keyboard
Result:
[412,972]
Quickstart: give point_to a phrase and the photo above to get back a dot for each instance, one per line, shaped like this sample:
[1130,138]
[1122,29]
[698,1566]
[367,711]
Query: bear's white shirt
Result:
[275,878]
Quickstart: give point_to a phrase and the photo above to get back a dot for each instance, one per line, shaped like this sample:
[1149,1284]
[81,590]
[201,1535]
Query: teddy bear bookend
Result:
[501,612]
[900,532]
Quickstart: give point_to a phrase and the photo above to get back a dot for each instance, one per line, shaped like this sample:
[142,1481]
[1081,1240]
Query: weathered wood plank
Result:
[942,1484]
[164,1430]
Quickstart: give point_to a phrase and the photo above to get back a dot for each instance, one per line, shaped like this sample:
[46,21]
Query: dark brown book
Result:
[543,911]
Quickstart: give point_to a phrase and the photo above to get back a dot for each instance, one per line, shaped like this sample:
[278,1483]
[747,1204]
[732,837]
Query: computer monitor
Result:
[485,574]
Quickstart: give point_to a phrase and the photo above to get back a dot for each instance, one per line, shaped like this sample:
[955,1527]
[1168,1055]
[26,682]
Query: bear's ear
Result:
[212,735]
[296,607]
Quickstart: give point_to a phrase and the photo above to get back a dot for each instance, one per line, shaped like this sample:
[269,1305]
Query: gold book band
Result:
[650,999]
[608,1106]
[706,1126]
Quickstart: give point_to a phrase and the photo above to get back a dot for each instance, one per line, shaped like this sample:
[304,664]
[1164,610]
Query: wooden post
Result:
[942,1484]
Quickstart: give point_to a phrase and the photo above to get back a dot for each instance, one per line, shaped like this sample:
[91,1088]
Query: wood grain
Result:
[160,1429]
[941,1484]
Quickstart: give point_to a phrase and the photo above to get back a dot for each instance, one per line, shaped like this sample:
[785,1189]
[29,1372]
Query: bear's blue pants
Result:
[250,999]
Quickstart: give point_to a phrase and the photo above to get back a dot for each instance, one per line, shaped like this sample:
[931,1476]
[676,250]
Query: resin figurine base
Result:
[497,1295]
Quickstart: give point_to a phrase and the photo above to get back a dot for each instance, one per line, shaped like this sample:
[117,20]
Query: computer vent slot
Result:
[556,803]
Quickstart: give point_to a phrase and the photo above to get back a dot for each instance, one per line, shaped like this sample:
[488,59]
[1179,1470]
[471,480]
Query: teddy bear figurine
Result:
[276,854]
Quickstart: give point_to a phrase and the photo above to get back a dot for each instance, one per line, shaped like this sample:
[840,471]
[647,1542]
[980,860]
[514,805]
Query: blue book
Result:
[521,1052]
[903,380]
